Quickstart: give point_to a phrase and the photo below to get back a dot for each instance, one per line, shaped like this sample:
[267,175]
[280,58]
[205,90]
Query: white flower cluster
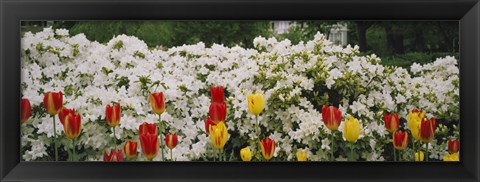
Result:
[294,79]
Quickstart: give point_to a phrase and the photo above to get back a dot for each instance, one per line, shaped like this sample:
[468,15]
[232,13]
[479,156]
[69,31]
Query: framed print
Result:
[298,95]
[202,90]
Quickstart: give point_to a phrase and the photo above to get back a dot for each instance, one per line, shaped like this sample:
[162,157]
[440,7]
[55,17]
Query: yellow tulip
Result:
[414,120]
[351,129]
[256,103]
[246,154]
[419,154]
[301,155]
[451,157]
[219,135]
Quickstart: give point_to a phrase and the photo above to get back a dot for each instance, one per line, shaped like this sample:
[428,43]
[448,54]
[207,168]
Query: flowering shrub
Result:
[295,80]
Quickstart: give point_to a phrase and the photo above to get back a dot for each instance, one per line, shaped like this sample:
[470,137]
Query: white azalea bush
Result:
[296,80]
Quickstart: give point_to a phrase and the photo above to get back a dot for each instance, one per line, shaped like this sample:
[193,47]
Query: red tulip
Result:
[427,129]
[25,110]
[171,140]
[150,145]
[72,125]
[391,122]
[157,101]
[218,112]
[113,156]
[268,148]
[112,114]
[400,140]
[64,113]
[331,116]
[147,128]
[130,149]
[417,110]
[217,94]
[453,146]
[208,124]
[53,102]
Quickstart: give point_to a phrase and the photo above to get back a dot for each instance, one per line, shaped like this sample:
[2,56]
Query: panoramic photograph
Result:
[240,91]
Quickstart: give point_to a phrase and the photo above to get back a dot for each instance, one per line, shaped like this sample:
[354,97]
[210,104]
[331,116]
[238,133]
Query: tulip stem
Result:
[394,154]
[414,150]
[331,150]
[55,138]
[220,155]
[161,136]
[171,154]
[224,155]
[393,148]
[426,156]
[214,155]
[351,152]
[258,132]
[400,155]
[114,138]
[73,150]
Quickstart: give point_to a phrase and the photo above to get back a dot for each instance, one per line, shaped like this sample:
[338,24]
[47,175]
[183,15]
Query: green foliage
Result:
[377,41]
[176,33]
[103,31]
[407,59]
[437,36]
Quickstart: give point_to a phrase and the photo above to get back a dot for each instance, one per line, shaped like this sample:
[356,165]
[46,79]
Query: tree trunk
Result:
[419,41]
[390,37]
[447,45]
[394,38]
[398,39]
[362,27]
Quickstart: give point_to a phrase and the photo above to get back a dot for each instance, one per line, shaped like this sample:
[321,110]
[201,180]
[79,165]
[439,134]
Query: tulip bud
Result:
[218,112]
[208,124]
[217,94]
[391,122]
[113,156]
[268,148]
[219,135]
[150,145]
[72,125]
[130,149]
[147,128]
[64,113]
[246,154]
[427,129]
[157,101]
[301,155]
[332,117]
[451,157]
[112,114]
[53,102]
[25,110]
[351,129]
[414,119]
[171,140]
[256,103]
[453,146]
[400,140]
[419,156]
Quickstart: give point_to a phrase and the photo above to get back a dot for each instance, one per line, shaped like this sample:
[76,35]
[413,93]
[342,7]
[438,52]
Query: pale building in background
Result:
[338,34]
[281,27]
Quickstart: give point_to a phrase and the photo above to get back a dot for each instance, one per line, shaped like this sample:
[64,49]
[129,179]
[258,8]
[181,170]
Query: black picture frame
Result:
[467,12]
